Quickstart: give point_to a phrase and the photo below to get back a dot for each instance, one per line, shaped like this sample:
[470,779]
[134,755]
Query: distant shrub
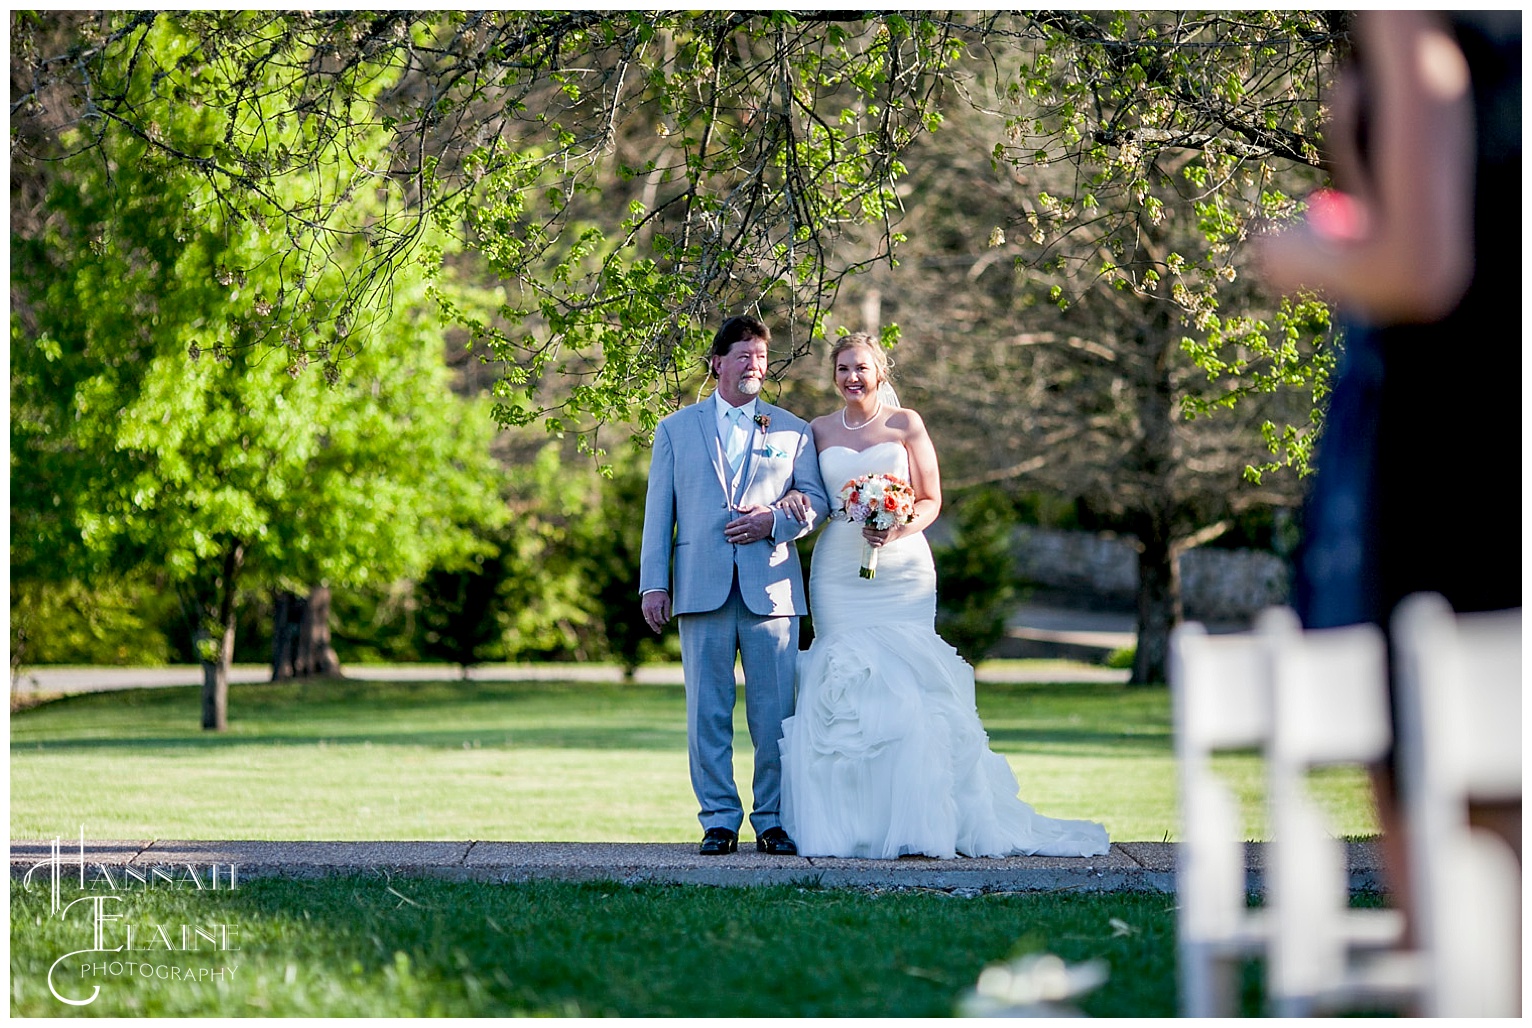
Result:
[119,622]
[976,576]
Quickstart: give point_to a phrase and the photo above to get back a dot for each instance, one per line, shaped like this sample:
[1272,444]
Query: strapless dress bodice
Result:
[840,464]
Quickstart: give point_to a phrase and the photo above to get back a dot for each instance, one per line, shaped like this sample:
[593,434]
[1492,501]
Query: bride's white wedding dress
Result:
[885,755]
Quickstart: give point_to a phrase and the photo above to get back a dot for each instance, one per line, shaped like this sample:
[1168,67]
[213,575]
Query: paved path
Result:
[1129,866]
[1073,628]
[46,681]
[1086,634]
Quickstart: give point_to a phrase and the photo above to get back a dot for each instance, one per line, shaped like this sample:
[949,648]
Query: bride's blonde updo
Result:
[880,359]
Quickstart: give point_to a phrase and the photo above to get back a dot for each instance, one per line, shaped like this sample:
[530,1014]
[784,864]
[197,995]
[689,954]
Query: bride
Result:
[885,755]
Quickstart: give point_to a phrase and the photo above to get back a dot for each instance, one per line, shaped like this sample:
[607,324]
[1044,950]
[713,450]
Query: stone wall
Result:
[1102,571]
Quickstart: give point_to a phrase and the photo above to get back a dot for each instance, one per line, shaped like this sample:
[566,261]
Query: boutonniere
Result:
[763,420]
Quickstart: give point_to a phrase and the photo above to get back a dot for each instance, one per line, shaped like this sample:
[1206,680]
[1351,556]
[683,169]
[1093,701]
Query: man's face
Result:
[741,371]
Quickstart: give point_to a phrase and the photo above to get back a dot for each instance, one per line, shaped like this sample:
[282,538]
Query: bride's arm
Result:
[925,479]
[925,475]
[796,504]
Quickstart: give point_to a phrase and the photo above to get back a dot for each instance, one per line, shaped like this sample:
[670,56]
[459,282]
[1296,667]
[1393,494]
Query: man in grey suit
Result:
[717,469]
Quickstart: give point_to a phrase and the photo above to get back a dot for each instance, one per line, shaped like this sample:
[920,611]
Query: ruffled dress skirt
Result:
[885,754]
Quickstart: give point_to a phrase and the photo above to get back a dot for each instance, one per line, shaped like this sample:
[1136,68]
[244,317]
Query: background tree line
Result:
[266,264]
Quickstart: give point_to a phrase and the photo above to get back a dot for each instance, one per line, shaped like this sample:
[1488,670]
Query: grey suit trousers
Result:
[768,650]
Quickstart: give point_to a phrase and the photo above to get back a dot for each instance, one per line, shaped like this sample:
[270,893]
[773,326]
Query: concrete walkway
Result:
[1129,866]
[1083,637]
[1072,630]
[65,681]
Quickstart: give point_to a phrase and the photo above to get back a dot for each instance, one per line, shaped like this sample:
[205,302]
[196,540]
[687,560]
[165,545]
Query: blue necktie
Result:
[734,446]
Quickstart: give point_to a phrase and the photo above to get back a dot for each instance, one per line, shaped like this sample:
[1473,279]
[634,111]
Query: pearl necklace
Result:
[864,424]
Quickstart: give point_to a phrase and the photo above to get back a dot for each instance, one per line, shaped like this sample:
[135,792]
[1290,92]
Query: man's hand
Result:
[753,524]
[656,608]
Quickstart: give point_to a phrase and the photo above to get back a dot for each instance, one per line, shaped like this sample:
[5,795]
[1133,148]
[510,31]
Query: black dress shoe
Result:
[776,842]
[718,841]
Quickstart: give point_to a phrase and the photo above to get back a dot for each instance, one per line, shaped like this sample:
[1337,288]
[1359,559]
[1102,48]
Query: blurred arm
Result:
[1412,258]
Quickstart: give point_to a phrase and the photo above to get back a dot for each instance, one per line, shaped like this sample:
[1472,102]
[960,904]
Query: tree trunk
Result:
[215,673]
[872,312]
[284,630]
[215,684]
[300,638]
[315,654]
[1159,607]
[1159,583]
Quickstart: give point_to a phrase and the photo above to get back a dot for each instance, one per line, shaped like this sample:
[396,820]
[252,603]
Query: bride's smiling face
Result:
[856,374]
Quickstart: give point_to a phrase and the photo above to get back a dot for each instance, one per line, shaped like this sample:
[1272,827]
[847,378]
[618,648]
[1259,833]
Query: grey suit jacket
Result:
[690,499]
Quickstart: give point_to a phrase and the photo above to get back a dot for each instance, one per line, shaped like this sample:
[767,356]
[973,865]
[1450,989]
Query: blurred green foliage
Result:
[123,621]
[976,574]
[155,435]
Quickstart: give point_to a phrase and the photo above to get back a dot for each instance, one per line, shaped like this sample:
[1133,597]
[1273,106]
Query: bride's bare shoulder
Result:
[906,420]
[822,430]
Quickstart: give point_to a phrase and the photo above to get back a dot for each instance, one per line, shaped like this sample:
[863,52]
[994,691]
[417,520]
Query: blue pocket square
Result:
[771,451]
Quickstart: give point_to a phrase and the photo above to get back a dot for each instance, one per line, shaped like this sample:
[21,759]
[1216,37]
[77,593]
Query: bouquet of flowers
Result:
[881,501]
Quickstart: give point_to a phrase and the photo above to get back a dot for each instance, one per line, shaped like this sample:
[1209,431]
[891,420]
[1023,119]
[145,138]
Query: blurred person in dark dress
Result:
[1418,487]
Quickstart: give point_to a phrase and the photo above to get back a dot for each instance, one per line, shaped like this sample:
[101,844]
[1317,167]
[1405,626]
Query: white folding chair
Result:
[1459,701]
[1330,707]
[1220,692]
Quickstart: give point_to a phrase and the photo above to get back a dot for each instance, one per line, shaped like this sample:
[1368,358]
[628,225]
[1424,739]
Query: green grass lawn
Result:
[459,760]
[367,946]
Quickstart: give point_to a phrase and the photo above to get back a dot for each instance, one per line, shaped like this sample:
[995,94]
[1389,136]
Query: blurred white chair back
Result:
[1221,701]
[1459,699]
[1329,708]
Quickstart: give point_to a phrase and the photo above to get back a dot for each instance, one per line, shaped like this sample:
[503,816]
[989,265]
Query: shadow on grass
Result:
[488,738]
[1087,720]
[450,715]
[303,697]
[376,946]
[1081,744]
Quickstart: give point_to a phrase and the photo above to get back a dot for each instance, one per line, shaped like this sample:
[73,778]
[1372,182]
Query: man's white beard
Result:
[750,386]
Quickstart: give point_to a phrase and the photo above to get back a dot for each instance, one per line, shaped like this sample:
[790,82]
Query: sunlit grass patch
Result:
[456,760]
